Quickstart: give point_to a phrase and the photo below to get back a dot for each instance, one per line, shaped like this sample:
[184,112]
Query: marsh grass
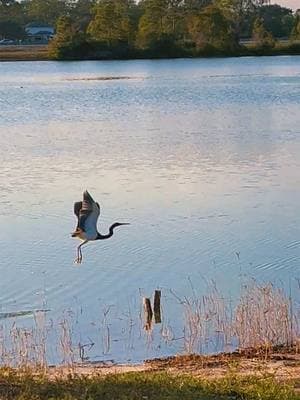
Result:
[264,316]
[207,317]
[23,53]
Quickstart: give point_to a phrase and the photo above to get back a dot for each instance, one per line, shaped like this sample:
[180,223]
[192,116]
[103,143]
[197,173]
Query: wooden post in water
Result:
[157,313]
[147,313]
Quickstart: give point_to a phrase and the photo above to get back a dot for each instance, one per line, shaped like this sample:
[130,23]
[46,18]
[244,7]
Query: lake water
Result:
[202,157]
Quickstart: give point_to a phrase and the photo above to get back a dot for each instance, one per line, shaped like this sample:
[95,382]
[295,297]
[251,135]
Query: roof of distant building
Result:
[38,25]
[42,33]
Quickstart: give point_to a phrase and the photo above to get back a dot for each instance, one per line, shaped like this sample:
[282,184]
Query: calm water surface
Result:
[202,157]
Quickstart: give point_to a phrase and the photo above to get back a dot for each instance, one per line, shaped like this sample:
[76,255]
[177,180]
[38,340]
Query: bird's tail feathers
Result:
[87,197]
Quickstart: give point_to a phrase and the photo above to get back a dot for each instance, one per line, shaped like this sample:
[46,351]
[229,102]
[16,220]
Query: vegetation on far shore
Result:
[41,53]
[119,29]
[125,29]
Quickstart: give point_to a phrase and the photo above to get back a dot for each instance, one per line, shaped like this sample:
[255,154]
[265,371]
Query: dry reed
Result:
[264,317]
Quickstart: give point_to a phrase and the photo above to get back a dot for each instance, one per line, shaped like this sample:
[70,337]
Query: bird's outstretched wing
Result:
[87,212]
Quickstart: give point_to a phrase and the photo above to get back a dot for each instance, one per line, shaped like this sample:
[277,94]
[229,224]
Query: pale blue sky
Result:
[294,4]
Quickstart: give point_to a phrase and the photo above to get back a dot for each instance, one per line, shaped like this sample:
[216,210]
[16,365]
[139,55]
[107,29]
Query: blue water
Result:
[200,156]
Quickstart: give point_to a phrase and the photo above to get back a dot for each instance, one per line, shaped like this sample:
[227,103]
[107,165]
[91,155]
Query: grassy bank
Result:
[246,375]
[142,385]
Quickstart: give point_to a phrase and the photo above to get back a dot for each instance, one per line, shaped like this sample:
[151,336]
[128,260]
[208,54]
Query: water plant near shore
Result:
[263,316]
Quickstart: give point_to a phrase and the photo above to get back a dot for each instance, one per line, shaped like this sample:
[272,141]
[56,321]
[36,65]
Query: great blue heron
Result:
[87,212]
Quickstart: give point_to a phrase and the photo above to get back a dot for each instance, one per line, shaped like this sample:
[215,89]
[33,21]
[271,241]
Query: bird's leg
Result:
[78,260]
[80,252]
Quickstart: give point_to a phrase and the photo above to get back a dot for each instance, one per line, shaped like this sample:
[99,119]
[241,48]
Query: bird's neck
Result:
[110,233]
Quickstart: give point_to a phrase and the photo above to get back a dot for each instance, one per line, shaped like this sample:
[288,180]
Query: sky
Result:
[293,4]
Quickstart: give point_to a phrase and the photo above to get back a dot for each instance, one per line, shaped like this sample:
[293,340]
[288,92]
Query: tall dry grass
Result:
[264,315]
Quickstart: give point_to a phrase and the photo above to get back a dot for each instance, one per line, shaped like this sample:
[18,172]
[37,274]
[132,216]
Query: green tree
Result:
[64,39]
[111,22]
[176,17]
[11,10]
[277,20]
[237,12]
[157,24]
[295,34]
[210,28]
[192,7]
[81,13]
[45,11]
[261,36]
[11,30]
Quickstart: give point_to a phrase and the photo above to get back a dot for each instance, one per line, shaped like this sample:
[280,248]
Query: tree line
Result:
[154,28]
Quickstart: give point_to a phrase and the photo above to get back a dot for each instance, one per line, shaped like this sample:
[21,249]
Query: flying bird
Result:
[87,213]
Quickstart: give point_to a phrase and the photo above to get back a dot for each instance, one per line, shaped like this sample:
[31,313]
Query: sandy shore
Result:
[283,364]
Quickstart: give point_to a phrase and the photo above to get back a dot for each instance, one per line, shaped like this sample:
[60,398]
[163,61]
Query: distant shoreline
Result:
[16,53]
